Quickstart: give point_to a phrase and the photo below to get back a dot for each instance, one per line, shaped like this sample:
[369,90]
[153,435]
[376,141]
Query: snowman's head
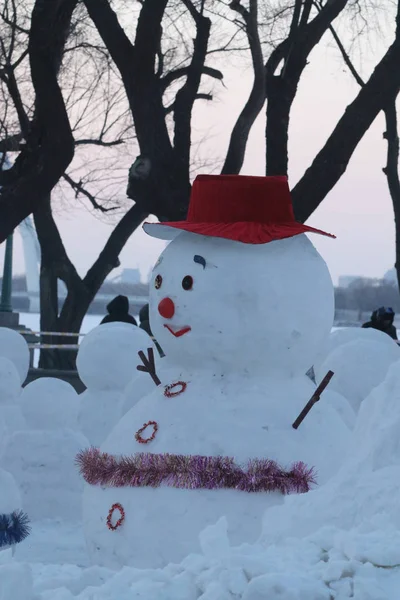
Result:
[232,306]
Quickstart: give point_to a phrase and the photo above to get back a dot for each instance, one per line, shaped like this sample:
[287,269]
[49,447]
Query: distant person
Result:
[382,319]
[118,311]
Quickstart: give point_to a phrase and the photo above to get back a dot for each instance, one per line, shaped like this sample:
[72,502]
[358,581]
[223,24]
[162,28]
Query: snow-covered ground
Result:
[331,564]
[340,541]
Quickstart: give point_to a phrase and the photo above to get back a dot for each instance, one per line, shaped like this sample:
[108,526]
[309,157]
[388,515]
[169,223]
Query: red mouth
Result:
[178,332]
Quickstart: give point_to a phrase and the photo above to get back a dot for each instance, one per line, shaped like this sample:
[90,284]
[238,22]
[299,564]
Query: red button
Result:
[166,308]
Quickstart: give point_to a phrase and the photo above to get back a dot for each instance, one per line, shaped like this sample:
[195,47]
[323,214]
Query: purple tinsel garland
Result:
[192,472]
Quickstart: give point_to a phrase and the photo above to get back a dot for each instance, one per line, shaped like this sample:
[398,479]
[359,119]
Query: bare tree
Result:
[388,106]
[48,140]
[168,67]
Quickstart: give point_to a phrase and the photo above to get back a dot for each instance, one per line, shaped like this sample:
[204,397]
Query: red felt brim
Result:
[244,231]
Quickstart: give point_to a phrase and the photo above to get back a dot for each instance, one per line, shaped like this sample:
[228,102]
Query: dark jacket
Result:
[118,311]
[382,324]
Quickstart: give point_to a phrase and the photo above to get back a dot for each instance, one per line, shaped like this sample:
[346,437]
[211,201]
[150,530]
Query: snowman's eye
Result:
[187,283]
[158,282]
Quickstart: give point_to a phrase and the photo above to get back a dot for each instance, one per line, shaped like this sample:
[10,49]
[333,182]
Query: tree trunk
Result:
[280,98]
[392,173]
[55,265]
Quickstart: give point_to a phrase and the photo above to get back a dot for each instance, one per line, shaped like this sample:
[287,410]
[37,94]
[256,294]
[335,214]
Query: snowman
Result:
[241,303]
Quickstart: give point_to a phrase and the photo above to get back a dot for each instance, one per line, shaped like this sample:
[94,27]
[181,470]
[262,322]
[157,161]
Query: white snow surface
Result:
[358,367]
[107,362]
[10,385]
[10,390]
[240,309]
[108,356]
[338,542]
[345,335]
[42,463]
[234,416]
[14,347]
[49,403]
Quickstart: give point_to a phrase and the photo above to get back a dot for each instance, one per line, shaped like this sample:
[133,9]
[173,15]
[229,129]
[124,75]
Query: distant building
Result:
[346,280]
[131,276]
[127,277]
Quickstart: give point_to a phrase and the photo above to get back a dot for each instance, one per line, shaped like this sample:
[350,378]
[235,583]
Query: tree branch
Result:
[172,76]
[112,34]
[282,88]
[79,189]
[240,133]
[99,142]
[186,96]
[331,162]
[201,96]
[109,256]
[12,143]
[50,145]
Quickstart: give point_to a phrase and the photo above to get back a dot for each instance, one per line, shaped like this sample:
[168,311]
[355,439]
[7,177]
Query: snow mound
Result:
[108,355]
[358,367]
[100,411]
[16,582]
[351,334]
[107,361]
[366,489]
[10,497]
[14,347]
[50,403]
[10,384]
[341,405]
[331,564]
[43,464]
[10,389]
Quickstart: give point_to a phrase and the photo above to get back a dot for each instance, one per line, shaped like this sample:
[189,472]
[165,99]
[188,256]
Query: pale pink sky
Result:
[358,210]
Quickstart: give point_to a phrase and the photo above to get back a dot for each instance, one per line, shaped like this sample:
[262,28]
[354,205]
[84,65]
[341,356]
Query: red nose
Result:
[166,308]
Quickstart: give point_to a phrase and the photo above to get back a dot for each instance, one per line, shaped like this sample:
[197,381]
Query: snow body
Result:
[42,463]
[49,403]
[346,335]
[106,362]
[364,495]
[10,391]
[14,347]
[10,497]
[359,366]
[258,316]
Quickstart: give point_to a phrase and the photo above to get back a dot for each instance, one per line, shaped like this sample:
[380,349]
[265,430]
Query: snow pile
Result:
[359,366]
[343,336]
[341,405]
[331,564]
[49,403]
[366,488]
[106,362]
[10,390]
[42,463]
[14,347]
[14,366]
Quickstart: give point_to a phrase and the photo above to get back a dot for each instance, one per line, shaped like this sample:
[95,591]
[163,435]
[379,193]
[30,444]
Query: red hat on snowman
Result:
[251,210]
